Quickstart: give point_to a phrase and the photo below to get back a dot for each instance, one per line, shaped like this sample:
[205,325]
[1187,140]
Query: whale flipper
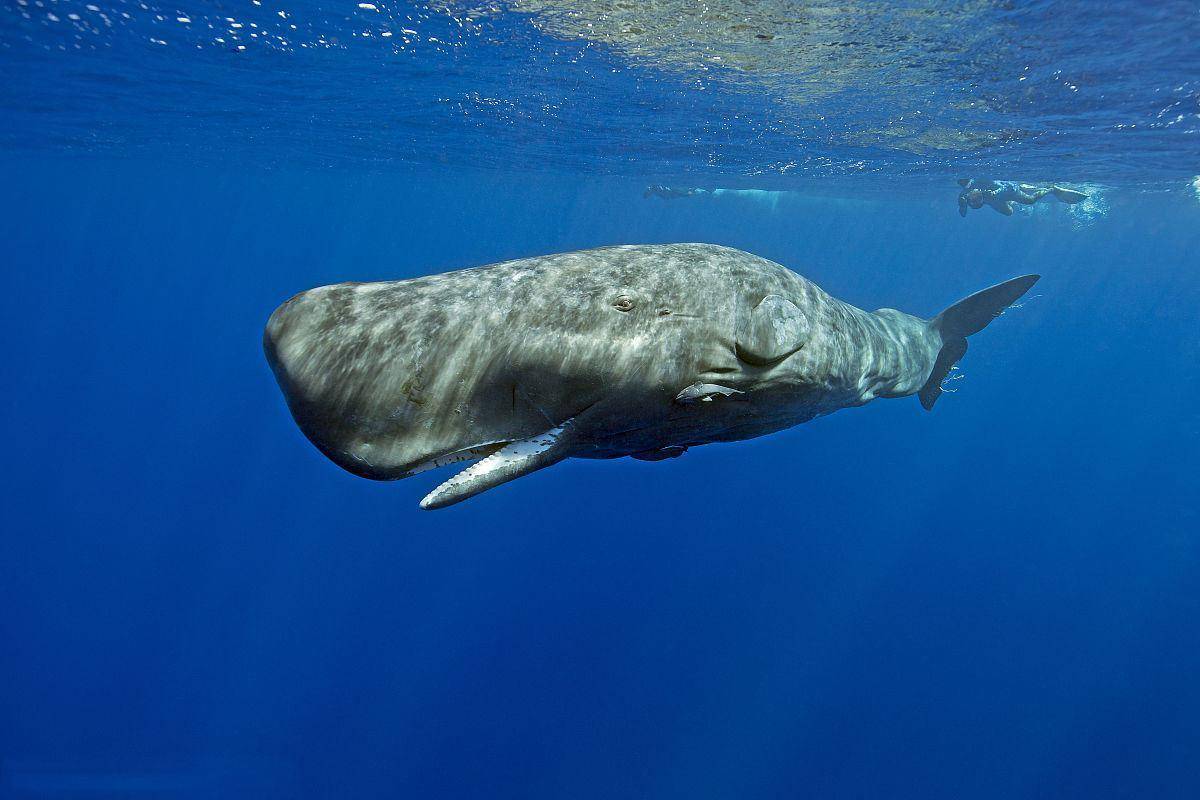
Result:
[509,462]
[964,318]
[772,331]
[705,392]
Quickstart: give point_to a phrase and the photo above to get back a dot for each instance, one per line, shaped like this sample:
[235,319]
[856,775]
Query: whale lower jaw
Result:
[500,463]
[458,456]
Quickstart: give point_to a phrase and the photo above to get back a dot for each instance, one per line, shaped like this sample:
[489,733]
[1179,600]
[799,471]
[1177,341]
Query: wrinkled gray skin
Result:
[619,351]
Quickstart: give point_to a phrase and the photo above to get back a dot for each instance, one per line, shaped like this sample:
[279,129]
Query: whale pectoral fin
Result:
[509,462]
[706,393]
[772,331]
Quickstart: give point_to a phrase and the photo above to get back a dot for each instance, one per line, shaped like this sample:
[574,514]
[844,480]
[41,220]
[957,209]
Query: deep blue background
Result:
[998,599]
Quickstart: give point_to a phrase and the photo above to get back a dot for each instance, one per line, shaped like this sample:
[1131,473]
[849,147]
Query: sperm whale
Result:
[638,350]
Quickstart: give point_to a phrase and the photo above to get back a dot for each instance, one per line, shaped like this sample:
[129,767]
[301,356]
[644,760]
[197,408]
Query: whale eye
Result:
[623,303]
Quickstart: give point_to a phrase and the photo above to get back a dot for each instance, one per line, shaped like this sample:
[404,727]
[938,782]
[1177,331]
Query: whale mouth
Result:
[472,453]
[503,464]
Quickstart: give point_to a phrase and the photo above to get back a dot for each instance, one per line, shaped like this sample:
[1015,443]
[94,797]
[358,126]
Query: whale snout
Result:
[296,329]
[292,344]
[326,360]
[285,323]
[281,321]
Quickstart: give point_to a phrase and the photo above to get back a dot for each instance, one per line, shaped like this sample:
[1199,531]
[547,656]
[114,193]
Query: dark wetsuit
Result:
[1001,195]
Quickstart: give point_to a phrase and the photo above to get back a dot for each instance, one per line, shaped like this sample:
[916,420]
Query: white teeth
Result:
[473,472]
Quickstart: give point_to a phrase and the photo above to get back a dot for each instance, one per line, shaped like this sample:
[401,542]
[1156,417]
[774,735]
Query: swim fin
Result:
[1068,195]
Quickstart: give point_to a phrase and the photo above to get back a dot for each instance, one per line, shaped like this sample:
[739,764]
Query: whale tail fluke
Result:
[964,318]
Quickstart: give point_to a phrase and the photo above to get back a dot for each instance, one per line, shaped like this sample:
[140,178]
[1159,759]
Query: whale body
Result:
[639,350]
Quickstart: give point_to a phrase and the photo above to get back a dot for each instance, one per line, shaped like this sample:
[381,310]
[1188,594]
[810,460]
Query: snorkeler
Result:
[667,192]
[1001,195]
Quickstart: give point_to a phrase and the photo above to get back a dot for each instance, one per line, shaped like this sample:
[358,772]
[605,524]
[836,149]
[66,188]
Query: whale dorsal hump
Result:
[772,331]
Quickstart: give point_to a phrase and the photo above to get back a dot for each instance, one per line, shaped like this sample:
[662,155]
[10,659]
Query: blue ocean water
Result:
[997,599]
